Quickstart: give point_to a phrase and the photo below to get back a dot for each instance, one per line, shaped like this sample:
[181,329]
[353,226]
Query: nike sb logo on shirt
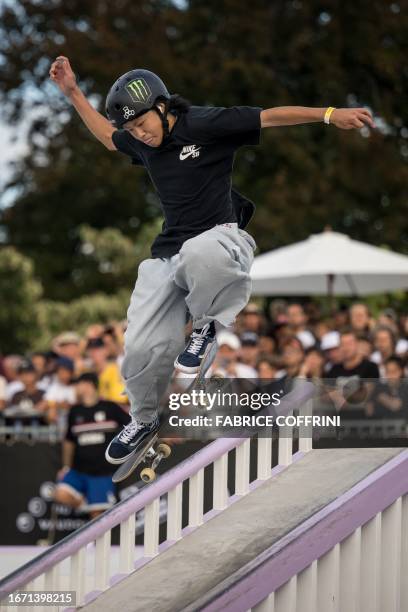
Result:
[189,151]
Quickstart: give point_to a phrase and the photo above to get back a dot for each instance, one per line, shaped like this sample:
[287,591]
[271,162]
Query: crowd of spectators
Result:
[358,363]
[289,340]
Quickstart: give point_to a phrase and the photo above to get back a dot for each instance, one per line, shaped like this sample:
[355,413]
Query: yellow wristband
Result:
[328,113]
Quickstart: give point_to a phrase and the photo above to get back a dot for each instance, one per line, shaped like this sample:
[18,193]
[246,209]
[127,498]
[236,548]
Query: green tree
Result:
[107,260]
[219,52]
[56,317]
[20,292]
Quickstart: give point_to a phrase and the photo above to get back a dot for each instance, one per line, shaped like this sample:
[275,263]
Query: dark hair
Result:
[348,331]
[395,359]
[314,349]
[293,339]
[89,377]
[178,103]
[385,328]
[272,360]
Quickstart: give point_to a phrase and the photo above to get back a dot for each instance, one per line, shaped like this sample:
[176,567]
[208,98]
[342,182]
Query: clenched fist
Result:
[349,118]
[62,74]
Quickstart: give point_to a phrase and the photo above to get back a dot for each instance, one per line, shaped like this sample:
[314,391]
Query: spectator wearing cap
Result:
[226,362]
[297,323]
[29,399]
[330,347]
[249,351]
[94,331]
[85,480]
[111,385]
[60,395]
[69,344]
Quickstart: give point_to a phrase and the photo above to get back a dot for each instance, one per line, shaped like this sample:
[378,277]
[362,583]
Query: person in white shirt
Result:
[226,362]
[60,395]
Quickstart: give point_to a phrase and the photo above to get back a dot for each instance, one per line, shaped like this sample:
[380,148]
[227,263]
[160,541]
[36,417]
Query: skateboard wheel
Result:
[215,377]
[164,449]
[147,474]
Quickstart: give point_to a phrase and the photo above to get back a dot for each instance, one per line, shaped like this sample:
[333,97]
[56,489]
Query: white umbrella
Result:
[329,263]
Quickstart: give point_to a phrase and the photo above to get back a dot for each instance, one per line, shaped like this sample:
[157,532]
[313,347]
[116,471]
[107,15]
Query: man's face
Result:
[71,350]
[292,355]
[365,348]
[64,375]
[252,321]
[226,353]
[349,346]
[147,128]
[28,378]
[296,315]
[383,341]
[359,317]
[98,355]
[249,353]
[86,391]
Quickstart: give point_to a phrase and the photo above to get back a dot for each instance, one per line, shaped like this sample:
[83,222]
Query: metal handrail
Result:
[121,511]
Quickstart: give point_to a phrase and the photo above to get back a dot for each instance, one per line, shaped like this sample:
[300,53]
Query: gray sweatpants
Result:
[209,278]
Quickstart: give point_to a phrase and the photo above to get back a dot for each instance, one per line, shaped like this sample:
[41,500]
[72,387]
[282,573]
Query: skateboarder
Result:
[201,260]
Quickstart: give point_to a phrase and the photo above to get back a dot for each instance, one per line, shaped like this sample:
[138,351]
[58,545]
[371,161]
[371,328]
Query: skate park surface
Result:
[187,575]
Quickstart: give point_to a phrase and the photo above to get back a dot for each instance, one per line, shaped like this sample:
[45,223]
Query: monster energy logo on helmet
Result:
[139,90]
[133,94]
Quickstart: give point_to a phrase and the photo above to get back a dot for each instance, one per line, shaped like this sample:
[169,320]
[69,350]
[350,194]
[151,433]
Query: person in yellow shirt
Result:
[111,385]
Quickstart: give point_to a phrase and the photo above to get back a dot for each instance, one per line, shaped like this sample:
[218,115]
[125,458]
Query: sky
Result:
[9,151]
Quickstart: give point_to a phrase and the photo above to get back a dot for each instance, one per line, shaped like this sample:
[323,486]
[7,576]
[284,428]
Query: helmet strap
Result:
[163,117]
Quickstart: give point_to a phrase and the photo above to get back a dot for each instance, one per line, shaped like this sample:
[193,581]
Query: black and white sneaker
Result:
[190,359]
[129,440]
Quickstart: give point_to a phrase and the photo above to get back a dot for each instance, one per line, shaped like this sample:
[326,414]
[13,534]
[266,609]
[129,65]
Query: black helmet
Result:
[133,94]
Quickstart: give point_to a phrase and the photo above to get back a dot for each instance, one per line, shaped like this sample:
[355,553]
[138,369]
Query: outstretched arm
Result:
[343,118]
[61,73]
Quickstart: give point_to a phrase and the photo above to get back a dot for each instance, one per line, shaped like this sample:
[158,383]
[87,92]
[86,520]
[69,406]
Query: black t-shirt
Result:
[350,383]
[91,428]
[191,171]
[399,392]
[365,369]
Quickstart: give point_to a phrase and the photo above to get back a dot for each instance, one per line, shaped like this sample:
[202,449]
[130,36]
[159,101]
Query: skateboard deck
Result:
[152,452]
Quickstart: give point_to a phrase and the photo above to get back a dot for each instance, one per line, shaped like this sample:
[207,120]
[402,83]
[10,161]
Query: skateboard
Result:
[153,451]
